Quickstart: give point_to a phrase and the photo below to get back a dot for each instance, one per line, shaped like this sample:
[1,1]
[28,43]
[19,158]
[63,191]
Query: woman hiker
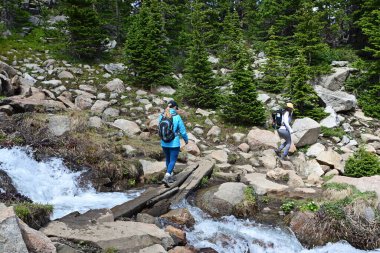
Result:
[170,128]
[285,131]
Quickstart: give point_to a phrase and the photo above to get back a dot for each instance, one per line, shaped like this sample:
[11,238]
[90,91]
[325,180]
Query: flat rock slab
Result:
[262,185]
[363,184]
[125,236]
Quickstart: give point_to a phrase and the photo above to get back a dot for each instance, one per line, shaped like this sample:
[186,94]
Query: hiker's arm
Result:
[182,130]
[159,118]
[286,122]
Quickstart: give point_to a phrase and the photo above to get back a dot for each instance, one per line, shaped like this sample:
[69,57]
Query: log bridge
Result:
[157,200]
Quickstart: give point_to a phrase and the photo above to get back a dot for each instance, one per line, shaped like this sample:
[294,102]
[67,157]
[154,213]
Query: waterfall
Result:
[51,182]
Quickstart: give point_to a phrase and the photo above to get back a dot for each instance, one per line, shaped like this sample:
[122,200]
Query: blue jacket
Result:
[180,129]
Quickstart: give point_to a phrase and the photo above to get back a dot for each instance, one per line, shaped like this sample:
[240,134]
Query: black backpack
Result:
[277,118]
[165,129]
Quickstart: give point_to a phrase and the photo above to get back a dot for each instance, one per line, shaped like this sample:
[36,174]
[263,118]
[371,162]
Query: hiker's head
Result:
[173,104]
[289,107]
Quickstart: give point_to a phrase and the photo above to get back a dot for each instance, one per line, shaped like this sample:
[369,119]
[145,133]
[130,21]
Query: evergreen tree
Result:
[146,48]
[308,33]
[369,94]
[274,78]
[86,35]
[231,34]
[241,106]
[200,88]
[301,93]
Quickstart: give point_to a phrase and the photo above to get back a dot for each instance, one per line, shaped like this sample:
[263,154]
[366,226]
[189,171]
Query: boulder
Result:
[124,236]
[116,85]
[262,139]
[99,106]
[180,216]
[10,234]
[367,138]
[264,98]
[219,155]
[129,127]
[114,67]
[340,101]
[222,200]
[152,167]
[278,174]
[295,181]
[214,131]
[204,113]
[363,184]
[192,148]
[335,80]
[268,159]
[52,83]
[238,137]
[311,166]
[244,147]
[331,158]
[59,124]
[88,88]
[315,149]
[156,248]
[65,75]
[95,122]
[306,132]
[36,241]
[29,104]
[8,70]
[111,112]
[167,90]
[83,102]
[261,184]
[332,120]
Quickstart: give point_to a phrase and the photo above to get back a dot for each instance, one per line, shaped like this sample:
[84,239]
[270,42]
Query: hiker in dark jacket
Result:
[285,131]
[172,148]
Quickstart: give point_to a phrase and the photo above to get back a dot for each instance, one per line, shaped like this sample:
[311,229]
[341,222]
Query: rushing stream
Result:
[51,182]
[232,235]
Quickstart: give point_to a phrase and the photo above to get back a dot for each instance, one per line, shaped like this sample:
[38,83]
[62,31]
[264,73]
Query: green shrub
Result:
[249,195]
[34,214]
[288,206]
[362,164]
[204,181]
[330,132]
[309,206]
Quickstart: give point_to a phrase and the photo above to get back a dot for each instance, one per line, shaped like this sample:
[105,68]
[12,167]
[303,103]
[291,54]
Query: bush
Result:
[287,207]
[362,164]
[34,214]
[309,206]
[331,132]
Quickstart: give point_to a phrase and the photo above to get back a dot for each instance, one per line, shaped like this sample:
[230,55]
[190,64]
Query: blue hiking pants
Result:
[284,134]
[171,155]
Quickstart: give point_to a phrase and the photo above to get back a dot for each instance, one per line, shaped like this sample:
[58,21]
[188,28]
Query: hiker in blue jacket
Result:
[285,131]
[171,148]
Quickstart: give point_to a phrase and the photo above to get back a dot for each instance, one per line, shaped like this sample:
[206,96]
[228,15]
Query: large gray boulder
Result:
[116,85]
[262,185]
[339,100]
[83,102]
[99,106]
[10,234]
[332,120]
[36,241]
[306,132]
[223,199]
[124,236]
[130,128]
[334,81]
[262,139]
[332,159]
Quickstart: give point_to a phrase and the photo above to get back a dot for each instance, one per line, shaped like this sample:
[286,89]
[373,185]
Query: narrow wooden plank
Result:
[204,169]
[130,208]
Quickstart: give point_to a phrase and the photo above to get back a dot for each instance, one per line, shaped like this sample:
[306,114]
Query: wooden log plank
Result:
[204,169]
[130,208]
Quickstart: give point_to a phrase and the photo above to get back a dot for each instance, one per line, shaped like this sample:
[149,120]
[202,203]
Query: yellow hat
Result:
[290,105]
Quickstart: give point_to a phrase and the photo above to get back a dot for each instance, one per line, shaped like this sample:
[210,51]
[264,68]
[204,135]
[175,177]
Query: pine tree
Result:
[200,88]
[274,78]
[86,34]
[308,33]
[301,93]
[241,106]
[231,34]
[146,48]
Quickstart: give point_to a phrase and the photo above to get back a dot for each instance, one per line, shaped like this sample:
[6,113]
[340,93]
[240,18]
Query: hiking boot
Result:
[165,180]
[171,179]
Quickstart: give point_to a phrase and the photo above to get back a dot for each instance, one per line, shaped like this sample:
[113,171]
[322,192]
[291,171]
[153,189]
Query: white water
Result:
[51,182]
[232,235]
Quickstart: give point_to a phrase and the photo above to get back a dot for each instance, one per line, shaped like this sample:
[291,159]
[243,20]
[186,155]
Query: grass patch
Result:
[336,186]
[34,214]
[204,181]
[332,132]
[249,195]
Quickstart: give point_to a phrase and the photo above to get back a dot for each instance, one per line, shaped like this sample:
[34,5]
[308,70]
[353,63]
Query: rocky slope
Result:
[88,116]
